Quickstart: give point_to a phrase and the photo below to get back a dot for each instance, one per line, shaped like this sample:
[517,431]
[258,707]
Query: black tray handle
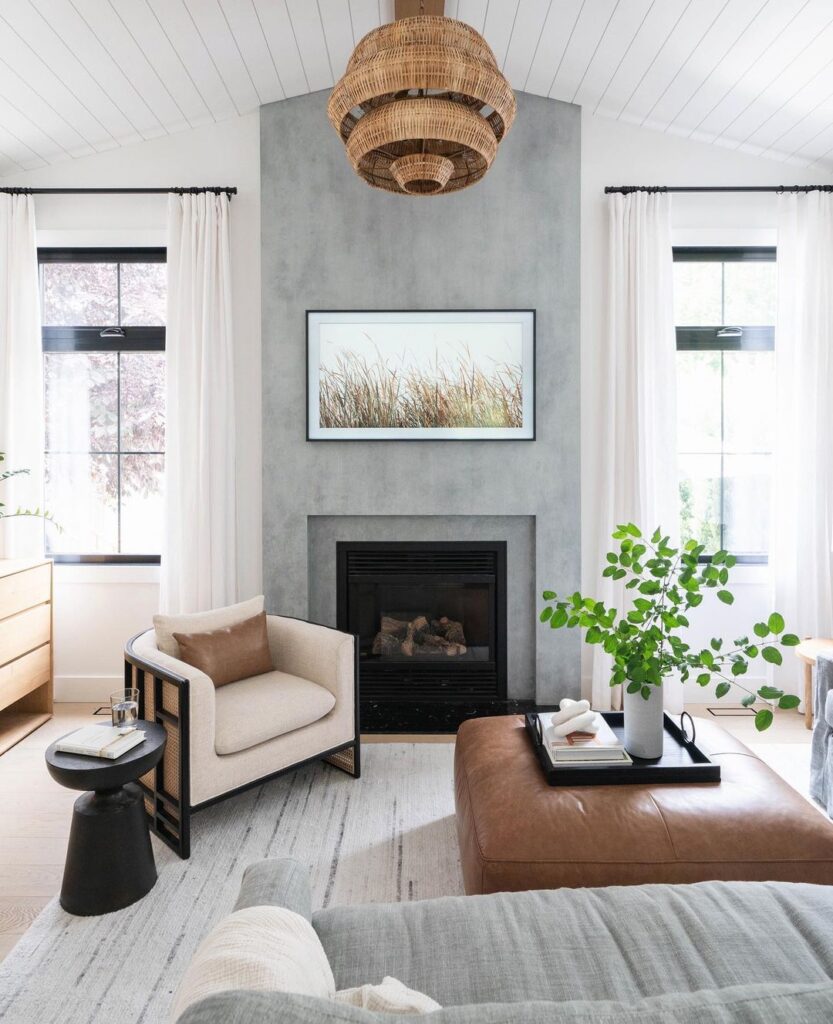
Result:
[539,732]
[688,740]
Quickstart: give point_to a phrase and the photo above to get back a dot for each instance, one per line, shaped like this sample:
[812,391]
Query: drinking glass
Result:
[124,707]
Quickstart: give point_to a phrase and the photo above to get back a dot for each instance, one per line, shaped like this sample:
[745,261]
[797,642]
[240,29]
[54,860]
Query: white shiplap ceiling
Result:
[83,76]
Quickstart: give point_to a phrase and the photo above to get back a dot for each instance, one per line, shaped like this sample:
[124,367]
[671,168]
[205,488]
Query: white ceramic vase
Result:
[644,723]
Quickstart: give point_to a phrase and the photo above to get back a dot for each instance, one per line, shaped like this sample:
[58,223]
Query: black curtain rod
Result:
[229,190]
[627,189]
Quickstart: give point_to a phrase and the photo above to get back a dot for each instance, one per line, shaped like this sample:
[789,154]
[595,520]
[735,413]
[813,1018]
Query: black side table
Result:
[109,859]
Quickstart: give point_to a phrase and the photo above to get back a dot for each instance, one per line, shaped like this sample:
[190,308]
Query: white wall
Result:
[98,607]
[617,153]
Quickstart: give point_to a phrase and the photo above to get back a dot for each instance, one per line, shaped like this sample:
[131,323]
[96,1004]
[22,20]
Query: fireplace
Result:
[431,621]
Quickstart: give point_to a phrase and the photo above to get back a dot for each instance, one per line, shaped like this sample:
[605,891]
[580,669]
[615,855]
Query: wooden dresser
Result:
[25,648]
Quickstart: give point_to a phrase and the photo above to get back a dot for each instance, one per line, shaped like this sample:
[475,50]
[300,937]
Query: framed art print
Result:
[421,376]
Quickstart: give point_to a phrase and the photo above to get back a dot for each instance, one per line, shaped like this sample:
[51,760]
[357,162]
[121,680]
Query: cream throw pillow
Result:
[389,997]
[202,622]
[265,949]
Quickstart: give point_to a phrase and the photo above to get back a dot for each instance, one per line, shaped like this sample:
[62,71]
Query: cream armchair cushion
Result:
[262,707]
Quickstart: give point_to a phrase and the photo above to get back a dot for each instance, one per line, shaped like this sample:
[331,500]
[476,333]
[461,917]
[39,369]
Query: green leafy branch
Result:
[645,643]
[36,513]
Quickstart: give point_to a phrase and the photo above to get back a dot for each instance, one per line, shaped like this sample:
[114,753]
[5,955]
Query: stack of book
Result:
[601,747]
[100,741]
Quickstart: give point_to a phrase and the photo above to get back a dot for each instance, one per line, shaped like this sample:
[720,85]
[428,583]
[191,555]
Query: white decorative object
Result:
[644,728]
[637,400]
[583,722]
[569,709]
[260,949]
[21,375]
[389,997]
[199,559]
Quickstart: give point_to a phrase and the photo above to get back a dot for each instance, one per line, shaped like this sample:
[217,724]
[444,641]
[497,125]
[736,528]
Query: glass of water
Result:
[124,707]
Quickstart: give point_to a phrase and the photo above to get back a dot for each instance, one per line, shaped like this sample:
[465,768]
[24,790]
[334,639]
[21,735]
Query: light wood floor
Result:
[34,826]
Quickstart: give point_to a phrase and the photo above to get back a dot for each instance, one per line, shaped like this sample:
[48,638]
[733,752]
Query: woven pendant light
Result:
[422,106]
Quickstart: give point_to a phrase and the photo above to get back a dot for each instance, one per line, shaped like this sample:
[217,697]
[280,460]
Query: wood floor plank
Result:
[34,827]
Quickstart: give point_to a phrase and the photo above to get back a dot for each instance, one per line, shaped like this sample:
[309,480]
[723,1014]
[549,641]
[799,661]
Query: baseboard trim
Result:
[85,689]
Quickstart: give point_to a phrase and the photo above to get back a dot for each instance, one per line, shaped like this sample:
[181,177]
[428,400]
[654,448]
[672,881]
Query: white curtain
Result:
[802,520]
[637,465]
[21,377]
[199,569]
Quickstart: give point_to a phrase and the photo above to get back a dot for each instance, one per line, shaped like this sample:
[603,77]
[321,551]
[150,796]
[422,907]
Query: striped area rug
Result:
[388,836]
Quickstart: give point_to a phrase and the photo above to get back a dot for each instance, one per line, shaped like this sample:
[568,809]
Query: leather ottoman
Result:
[516,832]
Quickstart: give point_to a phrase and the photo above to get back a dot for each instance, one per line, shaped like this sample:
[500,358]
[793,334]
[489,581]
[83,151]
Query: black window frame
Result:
[94,339]
[716,338]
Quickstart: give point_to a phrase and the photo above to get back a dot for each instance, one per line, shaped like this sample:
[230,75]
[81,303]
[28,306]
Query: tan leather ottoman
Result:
[516,832]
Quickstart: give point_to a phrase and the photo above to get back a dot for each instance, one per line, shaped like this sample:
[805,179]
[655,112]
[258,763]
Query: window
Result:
[724,307]
[103,314]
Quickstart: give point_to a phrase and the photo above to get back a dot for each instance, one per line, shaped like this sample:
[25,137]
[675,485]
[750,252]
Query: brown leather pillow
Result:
[229,654]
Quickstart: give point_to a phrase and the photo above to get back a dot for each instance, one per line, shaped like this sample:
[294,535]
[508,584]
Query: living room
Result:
[416,438]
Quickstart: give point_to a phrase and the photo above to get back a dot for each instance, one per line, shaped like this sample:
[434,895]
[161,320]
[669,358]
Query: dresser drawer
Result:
[22,633]
[24,674]
[22,590]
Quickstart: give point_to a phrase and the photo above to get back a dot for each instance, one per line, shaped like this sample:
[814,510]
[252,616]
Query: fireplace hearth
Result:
[431,621]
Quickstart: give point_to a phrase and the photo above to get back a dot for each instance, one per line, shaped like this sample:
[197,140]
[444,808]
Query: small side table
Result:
[807,651]
[109,858]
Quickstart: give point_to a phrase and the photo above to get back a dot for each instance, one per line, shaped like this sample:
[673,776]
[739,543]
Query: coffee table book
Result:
[681,760]
[603,745]
[100,741]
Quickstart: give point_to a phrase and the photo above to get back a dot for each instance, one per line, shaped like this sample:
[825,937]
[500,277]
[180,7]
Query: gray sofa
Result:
[710,953]
[821,764]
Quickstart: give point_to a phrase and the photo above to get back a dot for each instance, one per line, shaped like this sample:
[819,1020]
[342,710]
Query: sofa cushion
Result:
[743,1004]
[230,653]
[267,949]
[620,943]
[200,622]
[259,709]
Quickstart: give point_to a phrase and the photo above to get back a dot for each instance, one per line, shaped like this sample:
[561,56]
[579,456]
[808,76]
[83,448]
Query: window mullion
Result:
[118,449]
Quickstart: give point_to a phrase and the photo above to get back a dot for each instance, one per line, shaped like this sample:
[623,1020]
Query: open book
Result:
[100,741]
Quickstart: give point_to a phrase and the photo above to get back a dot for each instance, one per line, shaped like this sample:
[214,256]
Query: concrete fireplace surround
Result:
[512,241]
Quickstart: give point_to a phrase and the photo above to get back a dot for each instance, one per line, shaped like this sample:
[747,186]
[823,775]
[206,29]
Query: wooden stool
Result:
[808,650]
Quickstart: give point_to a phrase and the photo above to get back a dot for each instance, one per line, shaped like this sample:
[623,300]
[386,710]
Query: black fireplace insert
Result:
[431,621]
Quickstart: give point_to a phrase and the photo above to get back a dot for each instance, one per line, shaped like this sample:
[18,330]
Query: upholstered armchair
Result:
[821,760]
[222,740]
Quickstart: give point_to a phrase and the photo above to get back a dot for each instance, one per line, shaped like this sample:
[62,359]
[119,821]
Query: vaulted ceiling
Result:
[83,76]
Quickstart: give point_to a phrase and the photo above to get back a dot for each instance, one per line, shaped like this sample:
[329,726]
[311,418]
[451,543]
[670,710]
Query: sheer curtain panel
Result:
[802,521]
[21,377]
[637,476]
[199,569]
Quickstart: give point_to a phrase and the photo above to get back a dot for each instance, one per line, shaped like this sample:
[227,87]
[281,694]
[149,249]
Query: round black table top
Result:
[80,771]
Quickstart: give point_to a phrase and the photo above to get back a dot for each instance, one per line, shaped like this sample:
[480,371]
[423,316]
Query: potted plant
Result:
[647,644]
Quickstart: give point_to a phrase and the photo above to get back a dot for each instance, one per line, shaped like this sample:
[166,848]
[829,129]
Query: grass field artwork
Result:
[421,375]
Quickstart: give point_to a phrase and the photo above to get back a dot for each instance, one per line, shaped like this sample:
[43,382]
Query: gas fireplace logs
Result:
[419,637]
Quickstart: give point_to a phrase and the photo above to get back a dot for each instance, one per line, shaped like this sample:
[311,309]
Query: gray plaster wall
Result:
[331,242]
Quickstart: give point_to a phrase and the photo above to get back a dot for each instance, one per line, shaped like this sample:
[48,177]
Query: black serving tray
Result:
[681,760]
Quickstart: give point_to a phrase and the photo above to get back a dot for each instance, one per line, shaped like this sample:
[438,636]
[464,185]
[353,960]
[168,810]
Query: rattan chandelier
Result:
[422,106]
